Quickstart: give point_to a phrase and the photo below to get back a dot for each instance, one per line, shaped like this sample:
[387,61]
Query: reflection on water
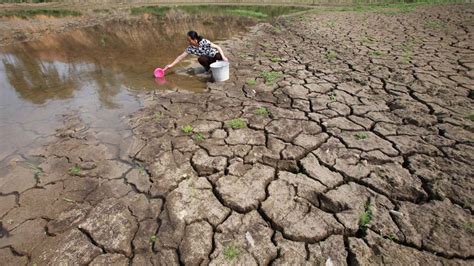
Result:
[96,71]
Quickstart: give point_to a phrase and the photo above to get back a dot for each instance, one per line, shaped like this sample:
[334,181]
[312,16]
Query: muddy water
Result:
[98,72]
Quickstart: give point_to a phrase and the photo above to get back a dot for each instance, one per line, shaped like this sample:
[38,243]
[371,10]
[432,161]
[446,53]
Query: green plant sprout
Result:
[263,111]
[361,135]
[270,76]
[198,137]
[187,129]
[236,123]
[75,170]
[231,252]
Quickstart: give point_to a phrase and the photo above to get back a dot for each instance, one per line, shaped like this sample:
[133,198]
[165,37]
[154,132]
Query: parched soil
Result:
[360,152]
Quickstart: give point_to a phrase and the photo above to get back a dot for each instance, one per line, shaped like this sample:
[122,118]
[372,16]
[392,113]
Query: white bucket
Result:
[220,70]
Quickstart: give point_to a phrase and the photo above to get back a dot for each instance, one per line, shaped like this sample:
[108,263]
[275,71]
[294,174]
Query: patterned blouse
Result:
[204,48]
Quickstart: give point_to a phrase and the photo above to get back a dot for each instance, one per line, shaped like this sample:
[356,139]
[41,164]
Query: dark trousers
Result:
[206,61]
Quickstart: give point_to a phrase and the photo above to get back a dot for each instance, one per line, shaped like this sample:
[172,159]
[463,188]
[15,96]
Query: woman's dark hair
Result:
[193,35]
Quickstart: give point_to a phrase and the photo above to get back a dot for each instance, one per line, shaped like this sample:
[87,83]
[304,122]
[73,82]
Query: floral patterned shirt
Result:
[204,48]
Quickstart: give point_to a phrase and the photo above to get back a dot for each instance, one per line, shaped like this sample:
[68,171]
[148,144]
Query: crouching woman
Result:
[207,51]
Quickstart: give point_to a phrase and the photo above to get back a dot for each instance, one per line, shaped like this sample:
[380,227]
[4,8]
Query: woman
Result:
[207,51]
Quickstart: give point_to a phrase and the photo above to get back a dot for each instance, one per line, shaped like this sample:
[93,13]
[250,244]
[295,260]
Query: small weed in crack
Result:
[75,170]
[276,59]
[391,237]
[231,252]
[469,227]
[365,218]
[198,137]
[376,53]
[270,76]
[333,98]
[187,129]
[36,169]
[367,39]
[251,82]
[331,55]
[407,51]
[433,24]
[361,135]
[141,170]
[263,111]
[406,56]
[236,123]
[158,116]
[153,239]
[470,117]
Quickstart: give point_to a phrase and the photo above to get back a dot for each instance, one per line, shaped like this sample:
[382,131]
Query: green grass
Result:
[36,169]
[469,227]
[376,53]
[270,76]
[407,51]
[25,1]
[28,13]
[158,116]
[433,24]
[361,135]
[391,7]
[365,218]
[277,29]
[258,12]
[75,170]
[251,82]
[333,98]
[331,55]
[236,123]
[263,111]
[153,238]
[367,39]
[391,237]
[141,170]
[247,13]
[187,129]
[198,137]
[231,252]
[159,11]
[276,59]
[407,56]
[470,117]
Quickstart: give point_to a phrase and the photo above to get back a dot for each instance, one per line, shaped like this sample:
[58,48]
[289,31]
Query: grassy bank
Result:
[24,1]
[388,7]
[259,12]
[28,13]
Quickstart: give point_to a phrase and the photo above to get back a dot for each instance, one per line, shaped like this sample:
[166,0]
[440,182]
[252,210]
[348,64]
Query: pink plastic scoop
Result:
[159,73]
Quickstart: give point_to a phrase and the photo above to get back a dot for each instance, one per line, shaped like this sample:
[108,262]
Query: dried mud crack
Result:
[344,136]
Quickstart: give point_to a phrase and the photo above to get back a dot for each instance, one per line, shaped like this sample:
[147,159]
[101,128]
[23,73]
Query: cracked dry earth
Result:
[368,119]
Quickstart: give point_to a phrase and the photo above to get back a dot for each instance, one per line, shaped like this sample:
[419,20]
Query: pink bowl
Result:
[159,73]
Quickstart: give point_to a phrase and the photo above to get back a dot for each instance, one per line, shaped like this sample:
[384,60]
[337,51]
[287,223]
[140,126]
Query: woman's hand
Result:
[225,58]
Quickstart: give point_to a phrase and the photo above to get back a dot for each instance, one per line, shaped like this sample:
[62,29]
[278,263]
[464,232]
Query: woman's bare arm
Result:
[219,49]
[177,60]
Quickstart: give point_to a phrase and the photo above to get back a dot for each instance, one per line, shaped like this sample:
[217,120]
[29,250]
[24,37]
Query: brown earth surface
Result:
[364,157]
